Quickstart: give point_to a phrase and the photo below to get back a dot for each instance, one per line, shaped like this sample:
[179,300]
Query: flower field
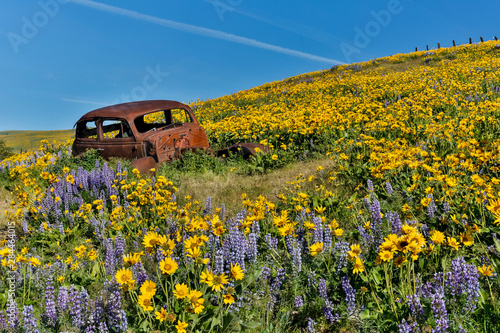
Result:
[398,234]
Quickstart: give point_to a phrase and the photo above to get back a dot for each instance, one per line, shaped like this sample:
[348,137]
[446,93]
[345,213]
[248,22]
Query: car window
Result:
[116,129]
[152,121]
[180,116]
[87,130]
[157,117]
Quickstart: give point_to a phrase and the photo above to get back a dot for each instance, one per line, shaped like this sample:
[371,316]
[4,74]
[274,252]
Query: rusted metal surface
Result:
[122,130]
[246,150]
[134,138]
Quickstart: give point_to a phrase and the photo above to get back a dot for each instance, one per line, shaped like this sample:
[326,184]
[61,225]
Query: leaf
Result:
[215,322]
[250,325]
[376,277]
[95,269]
[365,314]
[497,244]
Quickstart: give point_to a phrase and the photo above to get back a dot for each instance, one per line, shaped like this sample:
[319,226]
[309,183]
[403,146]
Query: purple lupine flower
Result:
[322,289]
[388,187]
[62,299]
[415,306]
[110,257]
[376,222]
[222,213]
[288,242]
[275,287]
[439,308]
[271,241]
[341,248]
[327,312]
[350,294]
[77,307]
[431,208]
[318,231]
[264,275]
[219,262]
[120,246]
[369,184]
[446,207]
[395,221]
[29,319]
[235,247]
[310,325]
[12,313]
[298,302]
[366,238]
[3,321]
[208,207]
[463,279]
[252,247]
[256,228]
[425,230]
[278,280]
[25,226]
[405,327]
[50,314]
[116,316]
[140,273]
[297,258]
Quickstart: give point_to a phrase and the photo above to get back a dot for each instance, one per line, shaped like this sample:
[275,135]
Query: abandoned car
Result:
[148,132]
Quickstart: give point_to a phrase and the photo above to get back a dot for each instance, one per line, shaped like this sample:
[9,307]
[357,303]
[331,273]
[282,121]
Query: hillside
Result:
[376,209]
[30,140]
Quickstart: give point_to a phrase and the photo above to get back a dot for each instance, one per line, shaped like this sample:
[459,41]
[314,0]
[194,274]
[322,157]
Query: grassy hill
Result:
[30,140]
[375,209]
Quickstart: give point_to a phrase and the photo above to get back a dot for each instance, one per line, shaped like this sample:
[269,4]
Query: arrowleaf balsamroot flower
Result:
[452,242]
[168,266]
[358,266]
[219,281]
[181,327]
[196,299]
[181,291]
[386,255]
[145,302]
[355,251]
[148,288]
[150,240]
[161,315]
[316,248]
[132,259]
[124,277]
[207,277]
[485,270]
[228,299]
[236,272]
[437,237]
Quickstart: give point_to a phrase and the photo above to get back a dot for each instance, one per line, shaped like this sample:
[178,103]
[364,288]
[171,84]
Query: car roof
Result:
[132,110]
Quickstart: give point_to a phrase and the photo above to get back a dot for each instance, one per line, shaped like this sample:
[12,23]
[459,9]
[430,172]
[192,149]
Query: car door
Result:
[117,139]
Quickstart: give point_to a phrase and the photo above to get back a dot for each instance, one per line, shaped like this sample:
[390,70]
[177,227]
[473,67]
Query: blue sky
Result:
[62,58]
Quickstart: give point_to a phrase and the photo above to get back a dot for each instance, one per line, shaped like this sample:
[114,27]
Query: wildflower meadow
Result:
[398,232]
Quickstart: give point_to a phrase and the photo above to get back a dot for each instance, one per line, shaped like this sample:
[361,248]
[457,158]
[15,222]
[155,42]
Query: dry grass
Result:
[5,199]
[30,140]
[228,188]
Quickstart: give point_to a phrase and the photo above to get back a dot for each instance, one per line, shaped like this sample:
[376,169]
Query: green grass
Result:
[30,140]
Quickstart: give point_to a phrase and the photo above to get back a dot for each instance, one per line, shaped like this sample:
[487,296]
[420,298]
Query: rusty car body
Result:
[148,132]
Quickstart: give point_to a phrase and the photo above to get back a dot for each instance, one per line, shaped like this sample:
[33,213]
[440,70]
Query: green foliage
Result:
[5,151]
[87,161]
